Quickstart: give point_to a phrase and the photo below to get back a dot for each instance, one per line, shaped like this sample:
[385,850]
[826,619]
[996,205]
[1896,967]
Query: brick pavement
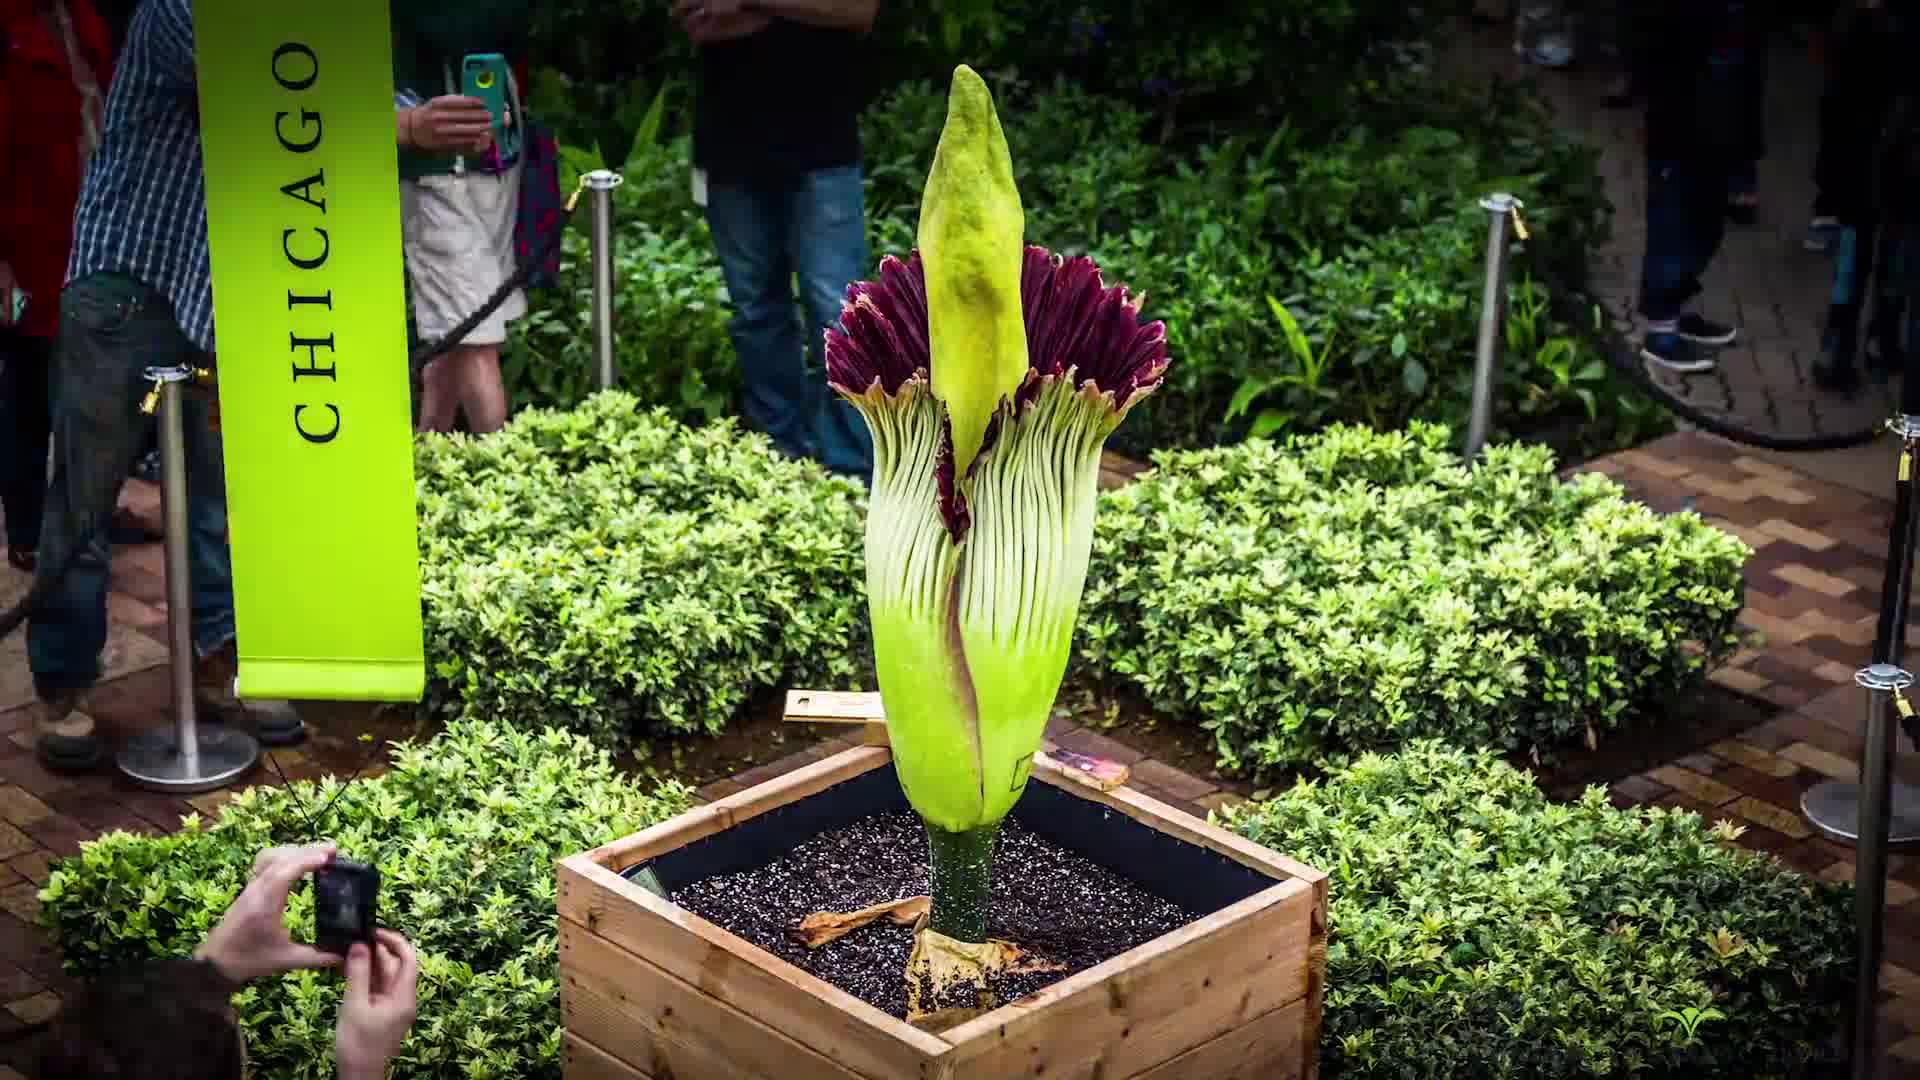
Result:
[1763,280]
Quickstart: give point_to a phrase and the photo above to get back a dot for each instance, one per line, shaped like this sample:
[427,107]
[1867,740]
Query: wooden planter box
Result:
[649,990]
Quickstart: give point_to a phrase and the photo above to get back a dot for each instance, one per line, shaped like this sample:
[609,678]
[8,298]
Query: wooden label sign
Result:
[303,223]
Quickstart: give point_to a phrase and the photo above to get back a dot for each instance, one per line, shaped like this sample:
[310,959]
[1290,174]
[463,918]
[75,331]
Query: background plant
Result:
[1356,590]
[1479,929]
[465,830]
[612,572]
[1370,234]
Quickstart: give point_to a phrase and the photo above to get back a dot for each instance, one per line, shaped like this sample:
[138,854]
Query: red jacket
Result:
[40,131]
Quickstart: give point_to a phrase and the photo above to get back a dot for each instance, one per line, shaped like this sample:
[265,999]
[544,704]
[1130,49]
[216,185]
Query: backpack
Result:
[542,213]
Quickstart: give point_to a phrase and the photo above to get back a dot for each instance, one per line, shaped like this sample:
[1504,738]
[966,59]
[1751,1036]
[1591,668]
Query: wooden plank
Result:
[831,1021]
[715,817]
[653,1021]
[1178,824]
[581,1060]
[860,709]
[834,706]
[1315,1002]
[1154,1003]
[1268,1047]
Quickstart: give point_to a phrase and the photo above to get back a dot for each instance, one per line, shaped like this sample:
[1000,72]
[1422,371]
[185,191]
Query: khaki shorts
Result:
[458,232]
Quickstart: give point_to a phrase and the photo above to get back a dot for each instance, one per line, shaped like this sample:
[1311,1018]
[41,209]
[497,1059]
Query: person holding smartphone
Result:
[459,200]
[175,1018]
[56,59]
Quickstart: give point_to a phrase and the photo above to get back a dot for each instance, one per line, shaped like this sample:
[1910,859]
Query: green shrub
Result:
[1355,590]
[1370,235]
[670,312]
[465,830]
[611,572]
[1479,930]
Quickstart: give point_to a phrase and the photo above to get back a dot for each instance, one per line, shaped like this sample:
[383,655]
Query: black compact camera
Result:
[344,892]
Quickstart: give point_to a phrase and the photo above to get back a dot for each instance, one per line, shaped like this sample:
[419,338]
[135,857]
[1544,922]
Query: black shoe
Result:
[1674,352]
[1704,331]
[1835,378]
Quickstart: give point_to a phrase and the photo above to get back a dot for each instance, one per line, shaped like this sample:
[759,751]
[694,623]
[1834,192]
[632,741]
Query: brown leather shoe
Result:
[63,734]
[215,691]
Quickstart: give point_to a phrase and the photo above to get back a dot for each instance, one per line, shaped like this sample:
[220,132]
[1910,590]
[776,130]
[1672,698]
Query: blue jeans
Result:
[112,329]
[766,233]
[1686,208]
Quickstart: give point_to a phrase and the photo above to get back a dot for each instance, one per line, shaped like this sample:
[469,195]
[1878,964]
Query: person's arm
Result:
[169,39]
[855,15]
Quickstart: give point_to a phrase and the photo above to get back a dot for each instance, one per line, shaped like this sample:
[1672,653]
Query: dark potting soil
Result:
[1059,905]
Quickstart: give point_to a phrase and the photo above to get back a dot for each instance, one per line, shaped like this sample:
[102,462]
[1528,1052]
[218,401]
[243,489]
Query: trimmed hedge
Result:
[1480,930]
[1355,590]
[465,830]
[612,572]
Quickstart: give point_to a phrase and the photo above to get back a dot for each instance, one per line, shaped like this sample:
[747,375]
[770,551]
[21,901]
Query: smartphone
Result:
[484,76]
[15,306]
[345,895]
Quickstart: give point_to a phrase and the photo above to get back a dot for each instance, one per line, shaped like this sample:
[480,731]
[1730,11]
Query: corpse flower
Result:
[991,375]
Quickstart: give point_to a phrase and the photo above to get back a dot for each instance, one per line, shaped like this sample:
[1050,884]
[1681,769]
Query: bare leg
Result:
[439,393]
[482,394]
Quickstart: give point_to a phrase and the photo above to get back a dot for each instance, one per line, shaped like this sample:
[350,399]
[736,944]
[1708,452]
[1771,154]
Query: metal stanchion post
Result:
[601,183]
[1502,210]
[189,758]
[1878,812]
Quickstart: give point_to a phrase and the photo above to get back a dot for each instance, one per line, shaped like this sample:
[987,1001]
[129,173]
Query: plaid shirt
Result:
[143,206]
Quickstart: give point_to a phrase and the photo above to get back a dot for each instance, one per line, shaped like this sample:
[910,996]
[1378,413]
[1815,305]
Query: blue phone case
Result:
[484,76]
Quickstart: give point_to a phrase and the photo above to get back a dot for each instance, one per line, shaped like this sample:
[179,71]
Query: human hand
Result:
[706,29]
[252,939]
[7,280]
[719,9]
[379,1006]
[451,124]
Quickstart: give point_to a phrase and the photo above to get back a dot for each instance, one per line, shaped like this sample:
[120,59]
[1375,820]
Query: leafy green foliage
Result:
[1304,153]
[1355,590]
[465,830]
[612,572]
[1478,929]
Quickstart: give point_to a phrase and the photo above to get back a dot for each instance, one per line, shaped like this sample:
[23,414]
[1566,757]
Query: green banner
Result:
[303,221]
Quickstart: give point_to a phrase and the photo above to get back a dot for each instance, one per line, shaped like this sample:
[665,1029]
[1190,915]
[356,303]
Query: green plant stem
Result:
[961,868]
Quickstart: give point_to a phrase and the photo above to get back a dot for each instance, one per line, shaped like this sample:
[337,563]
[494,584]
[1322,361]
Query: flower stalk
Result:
[991,374]
[960,868]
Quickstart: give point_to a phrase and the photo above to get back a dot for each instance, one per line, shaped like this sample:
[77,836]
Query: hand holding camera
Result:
[382,971]
[252,939]
[379,1006]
